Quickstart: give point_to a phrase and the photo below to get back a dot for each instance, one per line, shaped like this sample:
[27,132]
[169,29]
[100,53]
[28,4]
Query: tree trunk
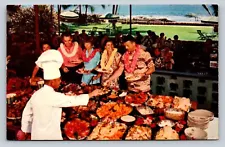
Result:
[130,19]
[37,35]
[59,11]
[79,9]
[86,9]
[113,9]
[116,10]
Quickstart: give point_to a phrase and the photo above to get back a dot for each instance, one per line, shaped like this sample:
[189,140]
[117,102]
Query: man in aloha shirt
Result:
[139,63]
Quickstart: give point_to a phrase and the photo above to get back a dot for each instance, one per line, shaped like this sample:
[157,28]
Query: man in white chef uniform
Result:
[42,115]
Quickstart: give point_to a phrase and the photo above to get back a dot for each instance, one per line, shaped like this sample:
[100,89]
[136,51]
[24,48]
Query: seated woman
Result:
[91,58]
[45,46]
[110,60]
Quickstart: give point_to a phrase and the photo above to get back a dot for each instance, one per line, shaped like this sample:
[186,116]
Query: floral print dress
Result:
[114,66]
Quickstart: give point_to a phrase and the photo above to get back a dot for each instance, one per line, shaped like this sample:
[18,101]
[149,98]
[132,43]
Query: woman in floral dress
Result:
[110,59]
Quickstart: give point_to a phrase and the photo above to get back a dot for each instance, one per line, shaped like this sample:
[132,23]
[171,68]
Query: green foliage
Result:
[23,20]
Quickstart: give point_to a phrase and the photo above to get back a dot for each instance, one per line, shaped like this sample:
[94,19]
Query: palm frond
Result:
[215,9]
[207,9]
[66,6]
[103,6]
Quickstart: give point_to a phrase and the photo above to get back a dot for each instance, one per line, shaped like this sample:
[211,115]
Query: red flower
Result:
[161,117]
[139,121]
[183,122]
[153,125]
[183,137]
[177,129]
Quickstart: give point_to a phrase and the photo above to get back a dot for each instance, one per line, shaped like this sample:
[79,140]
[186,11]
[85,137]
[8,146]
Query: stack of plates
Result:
[200,118]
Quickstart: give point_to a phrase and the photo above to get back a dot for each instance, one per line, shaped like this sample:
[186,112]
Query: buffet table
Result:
[118,113]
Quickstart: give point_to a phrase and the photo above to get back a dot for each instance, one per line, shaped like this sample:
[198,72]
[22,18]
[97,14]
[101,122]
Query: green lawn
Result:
[188,33]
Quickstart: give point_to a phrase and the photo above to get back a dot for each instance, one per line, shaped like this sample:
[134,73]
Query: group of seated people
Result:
[85,64]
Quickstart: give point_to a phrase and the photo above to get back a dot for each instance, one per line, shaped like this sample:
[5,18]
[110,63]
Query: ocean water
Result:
[171,12]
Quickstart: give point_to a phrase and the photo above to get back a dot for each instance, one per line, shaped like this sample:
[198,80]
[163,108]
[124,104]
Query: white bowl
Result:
[195,133]
[128,118]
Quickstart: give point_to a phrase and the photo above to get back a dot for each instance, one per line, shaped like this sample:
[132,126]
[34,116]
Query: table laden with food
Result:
[124,115]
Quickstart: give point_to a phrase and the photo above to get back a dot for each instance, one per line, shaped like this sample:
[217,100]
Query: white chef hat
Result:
[50,61]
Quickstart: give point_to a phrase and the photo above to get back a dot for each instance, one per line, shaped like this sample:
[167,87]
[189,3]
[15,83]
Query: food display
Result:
[123,115]
[113,110]
[139,133]
[77,129]
[167,133]
[136,99]
[108,131]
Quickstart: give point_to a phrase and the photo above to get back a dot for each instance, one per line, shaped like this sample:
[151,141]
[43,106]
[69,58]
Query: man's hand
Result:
[96,92]
[107,83]
[65,69]
[95,77]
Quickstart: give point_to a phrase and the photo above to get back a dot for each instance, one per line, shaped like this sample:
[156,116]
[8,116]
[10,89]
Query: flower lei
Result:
[110,61]
[87,59]
[131,67]
[69,54]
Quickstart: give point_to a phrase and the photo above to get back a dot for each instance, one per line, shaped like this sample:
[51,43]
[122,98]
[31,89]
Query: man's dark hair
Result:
[108,40]
[129,38]
[46,42]
[66,34]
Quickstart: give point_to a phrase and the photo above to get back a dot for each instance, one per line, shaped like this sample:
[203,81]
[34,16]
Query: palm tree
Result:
[37,36]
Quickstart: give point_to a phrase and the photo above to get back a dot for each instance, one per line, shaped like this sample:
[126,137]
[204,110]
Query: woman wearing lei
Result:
[110,61]
[136,63]
[91,58]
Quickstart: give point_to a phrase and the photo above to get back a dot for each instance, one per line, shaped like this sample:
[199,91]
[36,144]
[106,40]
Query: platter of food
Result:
[108,131]
[82,71]
[113,110]
[136,99]
[139,133]
[182,103]
[77,129]
[132,78]
[110,70]
[167,133]
[160,101]
[144,110]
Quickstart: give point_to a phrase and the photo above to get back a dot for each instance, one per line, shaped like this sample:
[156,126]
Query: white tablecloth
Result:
[213,129]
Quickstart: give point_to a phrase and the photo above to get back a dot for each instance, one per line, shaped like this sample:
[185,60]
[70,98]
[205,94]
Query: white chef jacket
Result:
[42,115]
